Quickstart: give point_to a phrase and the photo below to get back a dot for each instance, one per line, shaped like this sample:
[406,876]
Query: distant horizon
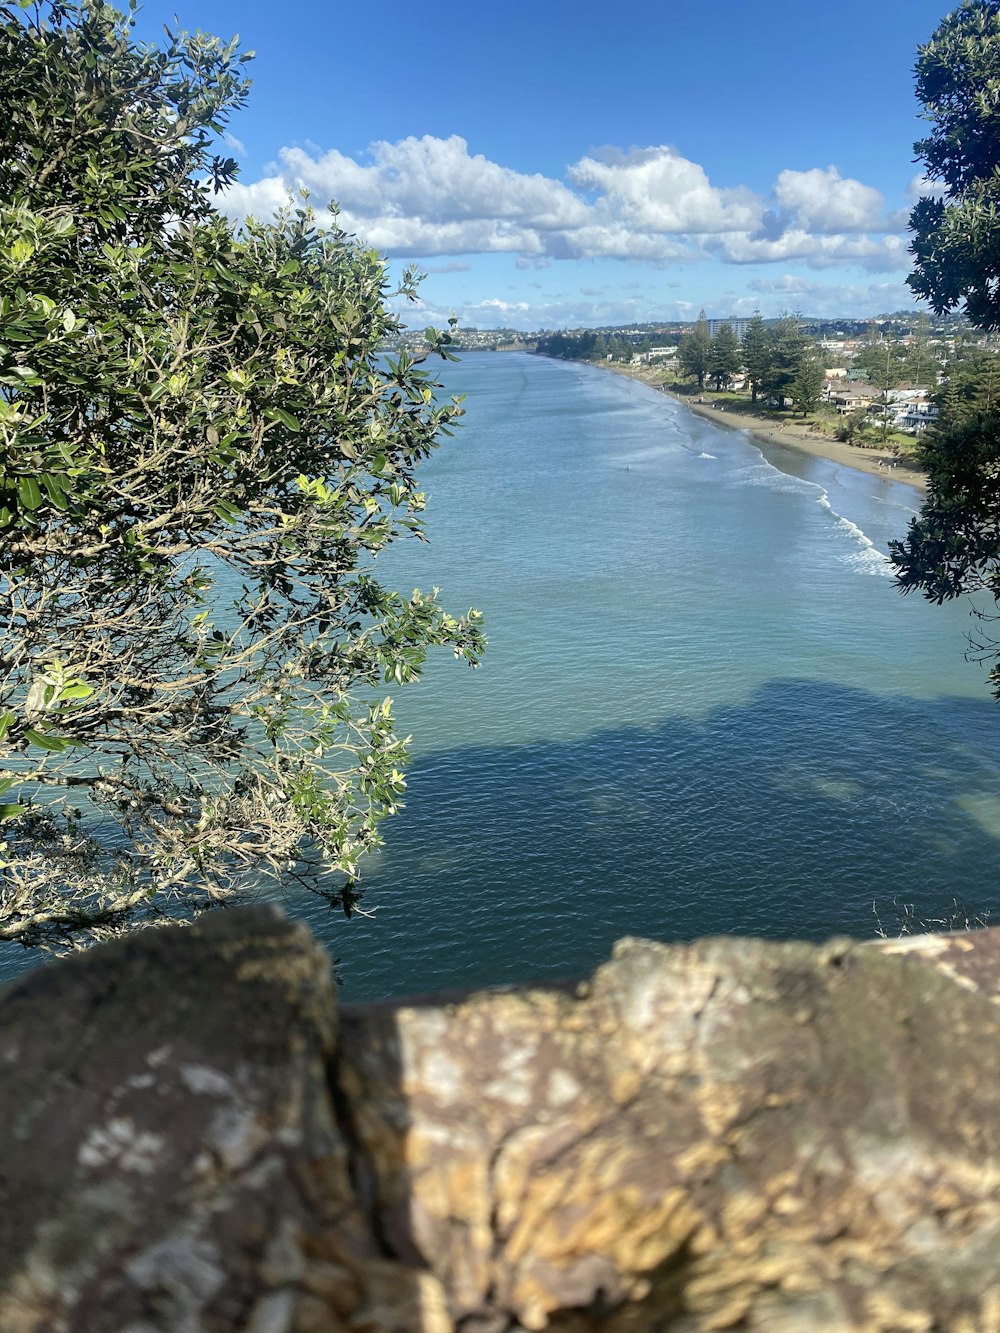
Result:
[556,169]
[881,317]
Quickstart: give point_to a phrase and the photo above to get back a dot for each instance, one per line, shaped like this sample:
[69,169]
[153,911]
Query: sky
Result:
[550,164]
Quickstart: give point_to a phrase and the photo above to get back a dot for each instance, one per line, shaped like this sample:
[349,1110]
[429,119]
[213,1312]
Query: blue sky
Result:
[554,164]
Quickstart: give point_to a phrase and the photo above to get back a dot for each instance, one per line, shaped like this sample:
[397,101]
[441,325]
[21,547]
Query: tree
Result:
[808,383]
[693,351]
[953,546]
[854,427]
[723,356]
[757,353]
[922,365]
[788,346]
[955,234]
[884,363]
[201,454]
[971,385]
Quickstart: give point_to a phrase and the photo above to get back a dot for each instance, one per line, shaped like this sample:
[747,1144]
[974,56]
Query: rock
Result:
[725,1135]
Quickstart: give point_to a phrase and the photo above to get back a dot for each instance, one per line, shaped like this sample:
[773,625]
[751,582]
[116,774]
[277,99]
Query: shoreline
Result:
[787,434]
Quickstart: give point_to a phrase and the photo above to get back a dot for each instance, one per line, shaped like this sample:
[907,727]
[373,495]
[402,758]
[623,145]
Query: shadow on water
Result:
[784,817]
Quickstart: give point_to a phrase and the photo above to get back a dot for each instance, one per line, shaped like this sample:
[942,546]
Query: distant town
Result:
[882,375]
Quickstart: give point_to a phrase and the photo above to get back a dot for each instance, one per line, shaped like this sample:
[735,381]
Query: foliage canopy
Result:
[953,546]
[695,351]
[955,232]
[202,453]
[724,355]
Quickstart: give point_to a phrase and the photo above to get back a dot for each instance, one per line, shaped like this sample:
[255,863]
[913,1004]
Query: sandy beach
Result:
[803,438]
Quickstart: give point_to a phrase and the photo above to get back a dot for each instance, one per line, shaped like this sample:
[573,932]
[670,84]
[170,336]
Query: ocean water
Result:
[704,707]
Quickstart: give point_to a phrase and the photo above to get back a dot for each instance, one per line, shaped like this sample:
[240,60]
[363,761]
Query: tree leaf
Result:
[29,492]
[286,418]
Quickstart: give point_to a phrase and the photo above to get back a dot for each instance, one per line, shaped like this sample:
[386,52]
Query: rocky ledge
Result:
[724,1135]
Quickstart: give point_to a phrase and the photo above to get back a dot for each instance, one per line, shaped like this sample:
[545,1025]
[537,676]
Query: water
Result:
[704,707]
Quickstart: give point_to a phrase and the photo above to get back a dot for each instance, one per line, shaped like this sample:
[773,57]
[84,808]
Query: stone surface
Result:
[724,1135]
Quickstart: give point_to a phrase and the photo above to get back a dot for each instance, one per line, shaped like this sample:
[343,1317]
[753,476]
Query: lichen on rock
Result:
[726,1134]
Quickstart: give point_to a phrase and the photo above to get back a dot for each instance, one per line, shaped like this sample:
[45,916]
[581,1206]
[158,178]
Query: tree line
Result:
[780,360]
[595,345]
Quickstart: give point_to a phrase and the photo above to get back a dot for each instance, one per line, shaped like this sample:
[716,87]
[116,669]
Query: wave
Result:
[869,560]
[766,474]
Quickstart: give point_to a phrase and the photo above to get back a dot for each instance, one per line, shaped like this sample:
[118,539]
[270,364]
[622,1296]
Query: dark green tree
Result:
[757,354]
[724,356]
[957,259]
[694,351]
[788,346]
[807,387]
[884,363]
[953,546]
[201,453]
[923,366]
[971,385]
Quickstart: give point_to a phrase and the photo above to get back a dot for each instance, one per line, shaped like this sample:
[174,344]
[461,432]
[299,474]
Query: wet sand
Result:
[803,438]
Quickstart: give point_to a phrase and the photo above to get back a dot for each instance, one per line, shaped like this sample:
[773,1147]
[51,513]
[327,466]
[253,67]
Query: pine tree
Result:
[724,356]
[757,354]
[694,349]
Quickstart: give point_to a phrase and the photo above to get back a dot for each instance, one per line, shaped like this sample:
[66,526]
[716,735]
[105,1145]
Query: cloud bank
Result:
[428,197]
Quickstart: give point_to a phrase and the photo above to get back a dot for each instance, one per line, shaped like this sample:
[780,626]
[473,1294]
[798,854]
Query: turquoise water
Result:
[704,707]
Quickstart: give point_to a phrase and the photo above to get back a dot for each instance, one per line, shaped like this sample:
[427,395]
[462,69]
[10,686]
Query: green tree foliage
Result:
[757,354]
[855,427]
[922,363]
[955,235]
[592,345]
[694,351]
[724,356]
[201,455]
[884,362]
[971,386]
[953,546]
[788,347]
[807,386]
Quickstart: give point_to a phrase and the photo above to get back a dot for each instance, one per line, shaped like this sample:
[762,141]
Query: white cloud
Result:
[435,181]
[793,291]
[427,197]
[657,190]
[771,295]
[823,201]
[875,254]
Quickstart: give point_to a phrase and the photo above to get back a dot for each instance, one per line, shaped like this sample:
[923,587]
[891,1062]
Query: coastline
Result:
[787,434]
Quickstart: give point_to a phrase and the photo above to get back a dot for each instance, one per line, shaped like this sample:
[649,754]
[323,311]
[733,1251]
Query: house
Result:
[847,401]
[915,418]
